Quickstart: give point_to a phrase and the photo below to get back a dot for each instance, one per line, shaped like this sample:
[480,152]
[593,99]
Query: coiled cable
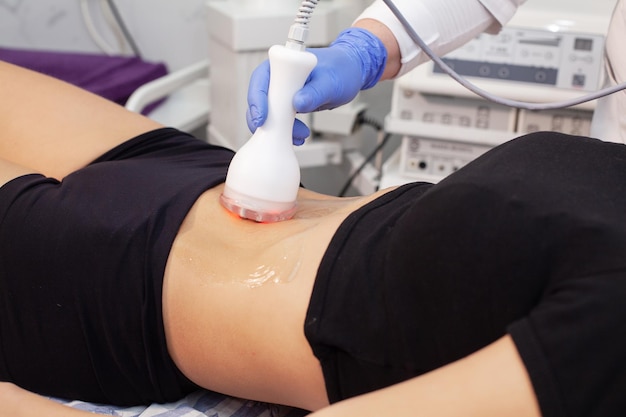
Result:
[305,11]
[299,30]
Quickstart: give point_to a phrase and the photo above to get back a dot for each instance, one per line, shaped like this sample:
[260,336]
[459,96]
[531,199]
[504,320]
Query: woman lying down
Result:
[500,291]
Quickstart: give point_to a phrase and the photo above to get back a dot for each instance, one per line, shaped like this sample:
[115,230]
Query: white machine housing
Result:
[240,34]
[551,50]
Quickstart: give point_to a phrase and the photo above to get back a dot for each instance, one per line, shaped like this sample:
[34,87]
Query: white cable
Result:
[486,95]
[93,32]
[305,11]
[120,23]
[299,31]
[114,25]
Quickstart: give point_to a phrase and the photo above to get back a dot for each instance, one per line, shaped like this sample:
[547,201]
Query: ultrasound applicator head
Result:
[264,176]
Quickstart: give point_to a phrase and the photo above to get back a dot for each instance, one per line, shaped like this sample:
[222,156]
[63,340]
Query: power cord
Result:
[383,140]
[123,28]
[93,32]
[115,21]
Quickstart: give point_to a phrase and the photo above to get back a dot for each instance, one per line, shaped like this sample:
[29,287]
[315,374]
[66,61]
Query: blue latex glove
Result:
[354,61]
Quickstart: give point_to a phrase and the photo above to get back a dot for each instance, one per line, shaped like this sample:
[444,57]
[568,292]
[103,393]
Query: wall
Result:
[173,31]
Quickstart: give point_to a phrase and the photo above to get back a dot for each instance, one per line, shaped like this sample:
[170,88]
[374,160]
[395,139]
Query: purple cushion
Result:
[112,77]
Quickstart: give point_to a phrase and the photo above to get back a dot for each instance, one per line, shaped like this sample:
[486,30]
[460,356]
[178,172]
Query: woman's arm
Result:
[489,383]
[17,402]
[53,127]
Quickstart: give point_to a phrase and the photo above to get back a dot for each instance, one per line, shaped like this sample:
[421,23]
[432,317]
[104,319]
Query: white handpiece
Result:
[264,176]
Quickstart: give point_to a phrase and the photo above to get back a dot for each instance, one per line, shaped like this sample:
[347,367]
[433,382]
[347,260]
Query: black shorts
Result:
[82,270]
[529,239]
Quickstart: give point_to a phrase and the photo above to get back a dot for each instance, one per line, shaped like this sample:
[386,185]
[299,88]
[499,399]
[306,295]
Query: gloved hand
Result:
[354,61]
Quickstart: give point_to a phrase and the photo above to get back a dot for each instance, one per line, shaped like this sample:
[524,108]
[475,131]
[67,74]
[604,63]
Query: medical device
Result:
[270,204]
[264,176]
[544,59]
[580,44]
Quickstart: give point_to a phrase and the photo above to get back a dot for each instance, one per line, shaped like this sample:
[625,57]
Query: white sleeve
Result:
[443,24]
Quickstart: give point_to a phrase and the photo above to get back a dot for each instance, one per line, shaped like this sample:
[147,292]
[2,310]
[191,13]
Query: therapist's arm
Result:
[444,25]
[383,33]
[492,382]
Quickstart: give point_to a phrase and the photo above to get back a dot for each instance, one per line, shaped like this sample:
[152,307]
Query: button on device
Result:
[578,80]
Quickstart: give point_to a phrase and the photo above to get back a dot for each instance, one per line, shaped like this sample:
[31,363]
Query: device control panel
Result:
[556,59]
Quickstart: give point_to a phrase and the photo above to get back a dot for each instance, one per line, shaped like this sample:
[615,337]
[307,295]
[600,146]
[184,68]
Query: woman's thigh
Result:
[55,128]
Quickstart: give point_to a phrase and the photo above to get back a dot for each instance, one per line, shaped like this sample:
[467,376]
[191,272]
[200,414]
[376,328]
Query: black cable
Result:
[120,22]
[368,159]
[363,119]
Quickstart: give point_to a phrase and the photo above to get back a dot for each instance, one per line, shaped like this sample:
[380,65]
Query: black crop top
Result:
[82,270]
[529,239]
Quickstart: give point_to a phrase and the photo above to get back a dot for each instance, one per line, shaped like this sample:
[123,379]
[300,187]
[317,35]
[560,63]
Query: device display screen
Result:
[583,44]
